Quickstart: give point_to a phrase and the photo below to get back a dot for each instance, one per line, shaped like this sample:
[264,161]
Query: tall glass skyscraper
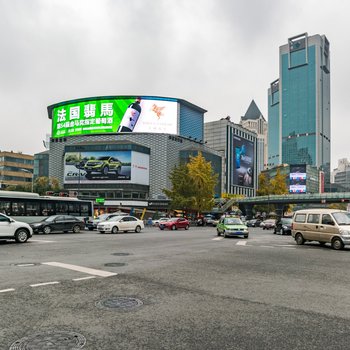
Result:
[299,104]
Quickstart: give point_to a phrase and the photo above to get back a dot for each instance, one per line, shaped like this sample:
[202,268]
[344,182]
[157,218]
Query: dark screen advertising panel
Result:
[114,115]
[106,167]
[297,178]
[243,169]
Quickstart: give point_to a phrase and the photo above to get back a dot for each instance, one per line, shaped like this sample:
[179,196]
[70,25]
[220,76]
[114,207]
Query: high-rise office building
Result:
[254,120]
[299,105]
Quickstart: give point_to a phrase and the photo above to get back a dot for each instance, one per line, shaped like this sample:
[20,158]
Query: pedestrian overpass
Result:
[281,201]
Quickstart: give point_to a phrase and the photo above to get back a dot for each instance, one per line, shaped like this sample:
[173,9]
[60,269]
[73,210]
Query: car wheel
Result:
[76,229]
[102,231]
[218,232]
[337,243]
[299,239]
[91,229]
[161,228]
[114,229]
[21,235]
[173,227]
[246,236]
[187,227]
[138,229]
[47,230]
[105,170]
[225,234]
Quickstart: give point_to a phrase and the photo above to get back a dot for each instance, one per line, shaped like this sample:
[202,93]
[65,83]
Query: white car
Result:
[121,223]
[12,229]
[159,221]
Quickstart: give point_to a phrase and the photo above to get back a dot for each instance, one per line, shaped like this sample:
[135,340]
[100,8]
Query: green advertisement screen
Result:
[89,117]
[132,114]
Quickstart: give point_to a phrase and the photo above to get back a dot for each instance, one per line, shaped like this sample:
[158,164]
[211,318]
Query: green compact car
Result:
[103,165]
[232,227]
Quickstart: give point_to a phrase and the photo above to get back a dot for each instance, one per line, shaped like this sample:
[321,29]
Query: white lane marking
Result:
[241,243]
[267,246]
[7,290]
[84,278]
[23,265]
[217,238]
[41,241]
[87,270]
[44,284]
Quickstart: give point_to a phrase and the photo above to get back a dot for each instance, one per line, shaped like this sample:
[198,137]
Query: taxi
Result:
[232,227]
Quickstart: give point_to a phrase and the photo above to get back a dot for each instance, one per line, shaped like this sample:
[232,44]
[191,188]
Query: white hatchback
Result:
[121,223]
[12,229]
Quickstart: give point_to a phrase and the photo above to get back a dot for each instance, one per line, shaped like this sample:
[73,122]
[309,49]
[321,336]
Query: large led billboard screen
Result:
[297,179]
[106,167]
[243,164]
[132,114]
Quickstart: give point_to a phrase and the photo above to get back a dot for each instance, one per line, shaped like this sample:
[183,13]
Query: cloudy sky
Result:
[217,54]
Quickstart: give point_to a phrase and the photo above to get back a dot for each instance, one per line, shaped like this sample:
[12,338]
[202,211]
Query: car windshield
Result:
[342,218]
[286,221]
[173,219]
[103,158]
[233,221]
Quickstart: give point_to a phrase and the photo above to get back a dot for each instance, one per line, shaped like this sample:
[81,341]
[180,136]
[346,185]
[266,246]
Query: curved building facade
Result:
[121,149]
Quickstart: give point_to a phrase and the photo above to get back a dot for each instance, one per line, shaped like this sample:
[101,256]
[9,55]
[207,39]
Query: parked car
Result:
[158,221]
[92,225]
[209,219]
[12,229]
[230,227]
[175,224]
[268,224]
[58,223]
[283,226]
[123,223]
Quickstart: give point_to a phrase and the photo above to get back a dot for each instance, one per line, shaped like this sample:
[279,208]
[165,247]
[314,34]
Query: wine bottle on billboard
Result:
[130,117]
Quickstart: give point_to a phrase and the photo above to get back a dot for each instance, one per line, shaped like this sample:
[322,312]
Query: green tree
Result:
[193,185]
[43,184]
[278,184]
[204,180]
[264,185]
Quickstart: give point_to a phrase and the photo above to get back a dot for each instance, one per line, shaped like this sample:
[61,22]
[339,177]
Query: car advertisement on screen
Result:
[297,179]
[243,165]
[106,167]
[115,115]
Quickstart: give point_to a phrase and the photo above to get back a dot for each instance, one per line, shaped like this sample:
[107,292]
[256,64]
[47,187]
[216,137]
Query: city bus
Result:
[31,207]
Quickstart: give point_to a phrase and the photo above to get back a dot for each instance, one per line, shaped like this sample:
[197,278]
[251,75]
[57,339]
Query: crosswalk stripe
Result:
[87,270]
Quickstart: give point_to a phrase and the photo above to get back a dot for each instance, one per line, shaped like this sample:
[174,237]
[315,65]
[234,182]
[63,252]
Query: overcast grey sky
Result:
[217,54]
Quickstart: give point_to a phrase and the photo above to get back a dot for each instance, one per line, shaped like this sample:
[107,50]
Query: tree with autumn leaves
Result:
[193,185]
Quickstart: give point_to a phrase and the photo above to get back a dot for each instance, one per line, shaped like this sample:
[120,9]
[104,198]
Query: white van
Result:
[322,225]
[12,229]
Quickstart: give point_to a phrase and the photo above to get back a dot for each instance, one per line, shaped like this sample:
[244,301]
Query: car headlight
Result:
[344,232]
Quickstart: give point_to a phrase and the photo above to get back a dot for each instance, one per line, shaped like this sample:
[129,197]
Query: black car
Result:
[283,226]
[58,223]
[253,223]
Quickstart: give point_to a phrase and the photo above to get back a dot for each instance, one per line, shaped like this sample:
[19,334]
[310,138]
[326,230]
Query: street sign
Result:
[100,200]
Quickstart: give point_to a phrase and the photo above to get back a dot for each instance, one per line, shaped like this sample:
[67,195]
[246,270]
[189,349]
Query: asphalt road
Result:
[173,290]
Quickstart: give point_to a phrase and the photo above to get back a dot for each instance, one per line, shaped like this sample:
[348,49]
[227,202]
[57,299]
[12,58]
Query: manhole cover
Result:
[115,264]
[50,341]
[25,264]
[120,254]
[120,303]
